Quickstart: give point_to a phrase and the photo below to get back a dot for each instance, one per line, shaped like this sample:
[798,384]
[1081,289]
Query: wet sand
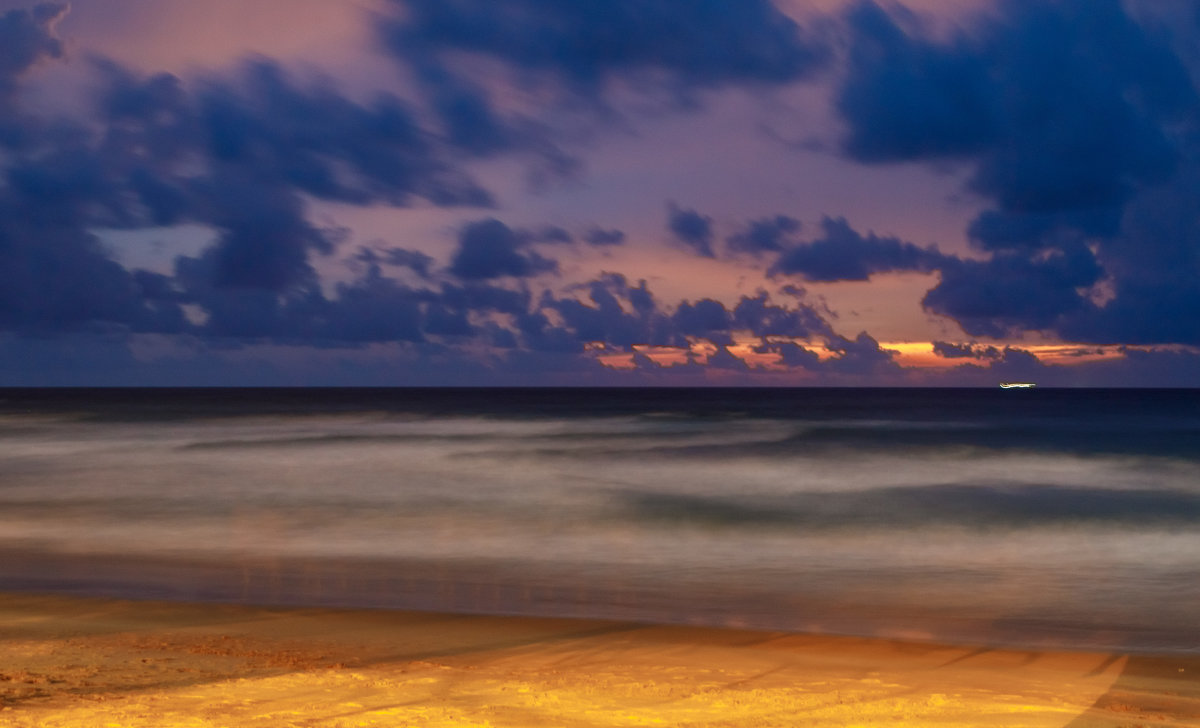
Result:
[82,662]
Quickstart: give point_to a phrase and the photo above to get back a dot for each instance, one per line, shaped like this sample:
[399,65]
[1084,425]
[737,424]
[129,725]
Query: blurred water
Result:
[1063,517]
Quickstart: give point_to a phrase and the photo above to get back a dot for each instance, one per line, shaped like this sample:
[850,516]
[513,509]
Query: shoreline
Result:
[71,661]
[501,587]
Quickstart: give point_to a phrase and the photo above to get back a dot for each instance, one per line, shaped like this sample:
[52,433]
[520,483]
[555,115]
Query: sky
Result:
[599,192]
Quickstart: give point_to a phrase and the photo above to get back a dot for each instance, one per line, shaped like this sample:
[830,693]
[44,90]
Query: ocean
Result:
[1066,518]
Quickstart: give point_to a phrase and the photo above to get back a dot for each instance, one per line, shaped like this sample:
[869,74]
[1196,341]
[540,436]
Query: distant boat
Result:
[1017,385]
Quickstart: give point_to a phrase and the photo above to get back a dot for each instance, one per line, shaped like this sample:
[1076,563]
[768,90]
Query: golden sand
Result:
[85,663]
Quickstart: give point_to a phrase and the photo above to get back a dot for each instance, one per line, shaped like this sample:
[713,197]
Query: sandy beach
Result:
[83,662]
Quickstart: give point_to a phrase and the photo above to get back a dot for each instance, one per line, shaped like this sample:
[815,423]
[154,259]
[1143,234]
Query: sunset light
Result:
[588,363]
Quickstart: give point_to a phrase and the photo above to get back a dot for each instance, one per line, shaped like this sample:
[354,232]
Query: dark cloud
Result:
[244,154]
[76,359]
[468,119]
[1012,293]
[265,238]
[843,254]
[861,356]
[1156,368]
[569,54]
[232,313]
[414,260]
[1016,364]
[236,312]
[725,359]
[66,184]
[585,44]
[551,234]
[58,278]
[604,320]
[306,136]
[643,362]
[1086,95]
[470,122]
[1022,359]
[767,235]
[372,308]
[538,334]
[706,318]
[375,308]
[240,153]
[762,318]
[1074,124]
[441,321]
[1009,363]
[490,249]
[26,37]
[483,297]
[947,350]
[908,98]
[1060,104]
[1153,271]
[152,125]
[691,228]
[496,335]
[852,358]
[600,237]
[615,313]
[639,297]
[55,275]
[1030,232]
[624,316]
[1077,122]
[792,355]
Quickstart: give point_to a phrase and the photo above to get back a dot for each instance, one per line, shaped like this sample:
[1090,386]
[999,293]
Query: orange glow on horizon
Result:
[918,355]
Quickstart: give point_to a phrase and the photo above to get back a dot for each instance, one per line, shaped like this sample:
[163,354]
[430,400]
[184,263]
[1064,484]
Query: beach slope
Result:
[74,662]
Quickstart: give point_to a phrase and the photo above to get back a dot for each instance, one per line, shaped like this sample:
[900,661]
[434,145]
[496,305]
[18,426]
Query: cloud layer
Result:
[1071,124]
[1073,118]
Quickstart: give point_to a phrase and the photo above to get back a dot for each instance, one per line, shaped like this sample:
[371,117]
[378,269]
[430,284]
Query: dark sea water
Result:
[1045,517]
